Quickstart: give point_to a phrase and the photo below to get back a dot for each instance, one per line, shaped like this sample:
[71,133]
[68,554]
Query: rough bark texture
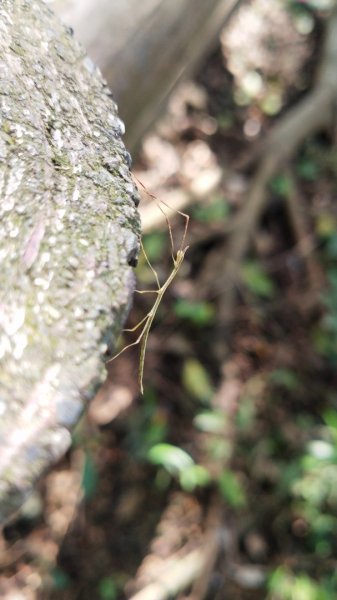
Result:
[143,48]
[69,231]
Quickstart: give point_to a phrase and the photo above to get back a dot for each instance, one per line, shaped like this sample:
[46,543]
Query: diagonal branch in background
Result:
[162,578]
[180,572]
[312,114]
[305,242]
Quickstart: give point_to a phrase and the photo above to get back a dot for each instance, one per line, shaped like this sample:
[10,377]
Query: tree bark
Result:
[69,233]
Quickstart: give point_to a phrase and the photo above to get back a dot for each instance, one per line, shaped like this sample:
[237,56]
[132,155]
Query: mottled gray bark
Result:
[144,47]
[69,231]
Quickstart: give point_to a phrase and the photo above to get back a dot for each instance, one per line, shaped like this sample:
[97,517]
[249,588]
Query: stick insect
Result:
[147,321]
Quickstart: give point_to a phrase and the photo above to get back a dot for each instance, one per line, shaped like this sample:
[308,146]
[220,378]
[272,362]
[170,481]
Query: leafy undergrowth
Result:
[237,430]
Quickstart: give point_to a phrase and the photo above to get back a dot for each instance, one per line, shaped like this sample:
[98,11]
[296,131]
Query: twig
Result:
[179,574]
[212,546]
[305,242]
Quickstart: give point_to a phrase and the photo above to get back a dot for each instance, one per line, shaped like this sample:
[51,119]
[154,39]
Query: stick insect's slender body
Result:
[148,319]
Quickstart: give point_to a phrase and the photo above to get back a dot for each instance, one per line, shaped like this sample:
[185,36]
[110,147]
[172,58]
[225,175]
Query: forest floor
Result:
[220,481]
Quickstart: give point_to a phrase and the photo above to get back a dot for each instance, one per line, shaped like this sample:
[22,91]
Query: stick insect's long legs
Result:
[131,329]
[149,264]
[133,343]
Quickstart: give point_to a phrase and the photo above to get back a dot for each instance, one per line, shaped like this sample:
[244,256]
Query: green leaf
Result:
[256,280]
[282,185]
[231,489]
[108,589]
[194,476]
[284,585]
[196,380]
[305,588]
[89,477]
[155,432]
[199,313]
[281,583]
[172,458]
[330,418]
[210,421]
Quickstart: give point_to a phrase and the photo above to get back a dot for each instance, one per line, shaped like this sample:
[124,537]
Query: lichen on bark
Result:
[69,231]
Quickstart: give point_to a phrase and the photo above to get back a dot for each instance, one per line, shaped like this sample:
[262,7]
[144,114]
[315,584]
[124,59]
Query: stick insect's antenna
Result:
[179,212]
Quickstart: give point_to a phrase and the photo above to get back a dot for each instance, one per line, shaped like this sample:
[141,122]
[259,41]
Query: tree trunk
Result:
[69,231]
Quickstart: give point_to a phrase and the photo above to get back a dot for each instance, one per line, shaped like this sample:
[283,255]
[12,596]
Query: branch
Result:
[179,573]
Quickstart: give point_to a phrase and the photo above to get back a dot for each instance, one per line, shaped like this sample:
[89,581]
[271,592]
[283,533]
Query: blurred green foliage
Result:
[155,245]
[285,378]
[302,5]
[196,380]
[307,169]
[89,476]
[231,489]
[324,334]
[285,585]
[317,159]
[281,185]
[246,413]
[308,482]
[211,212]
[256,280]
[198,313]
[108,589]
[179,464]
[210,421]
[146,427]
